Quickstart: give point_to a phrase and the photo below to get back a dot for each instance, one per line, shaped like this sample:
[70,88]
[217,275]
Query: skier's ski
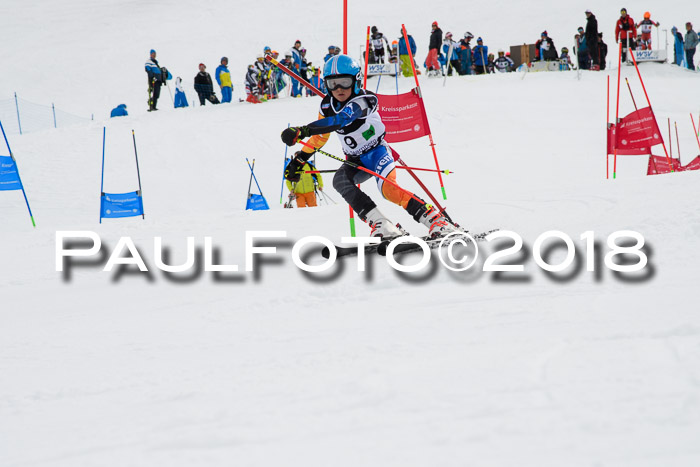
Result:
[349,250]
[430,241]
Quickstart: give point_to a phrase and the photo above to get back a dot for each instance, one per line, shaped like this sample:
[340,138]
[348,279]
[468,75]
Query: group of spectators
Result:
[446,55]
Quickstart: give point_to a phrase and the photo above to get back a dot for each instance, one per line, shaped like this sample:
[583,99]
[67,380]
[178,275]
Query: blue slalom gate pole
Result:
[378,81]
[102,182]
[254,177]
[284,166]
[396,69]
[138,172]
[19,124]
[31,216]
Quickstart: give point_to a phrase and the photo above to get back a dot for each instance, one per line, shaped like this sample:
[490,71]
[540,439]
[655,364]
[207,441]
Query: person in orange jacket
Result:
[626,32]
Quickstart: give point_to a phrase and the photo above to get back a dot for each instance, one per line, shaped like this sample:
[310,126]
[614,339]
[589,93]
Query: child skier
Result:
[645,28]
[353,113]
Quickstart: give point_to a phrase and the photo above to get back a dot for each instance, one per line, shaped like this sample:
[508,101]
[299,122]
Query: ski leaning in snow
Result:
[380,248]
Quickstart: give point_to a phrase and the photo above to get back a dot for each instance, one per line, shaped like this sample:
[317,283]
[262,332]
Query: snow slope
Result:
[364,368]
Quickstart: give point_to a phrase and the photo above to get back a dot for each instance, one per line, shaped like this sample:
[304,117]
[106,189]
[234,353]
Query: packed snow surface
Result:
[344,368]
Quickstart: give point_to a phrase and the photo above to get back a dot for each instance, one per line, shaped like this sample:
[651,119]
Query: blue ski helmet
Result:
[343,65]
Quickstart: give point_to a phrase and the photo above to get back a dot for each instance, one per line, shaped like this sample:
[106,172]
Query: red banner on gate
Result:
[659,165]
[637,130]
[403,116]
[623,152]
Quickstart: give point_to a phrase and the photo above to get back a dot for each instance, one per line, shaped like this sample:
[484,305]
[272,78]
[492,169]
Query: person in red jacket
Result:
[626,32]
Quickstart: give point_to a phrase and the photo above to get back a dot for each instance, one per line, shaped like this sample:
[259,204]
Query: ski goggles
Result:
[342,82]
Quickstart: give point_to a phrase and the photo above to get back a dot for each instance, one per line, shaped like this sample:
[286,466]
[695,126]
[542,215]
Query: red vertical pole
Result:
[420,94]
[678,144]
[345,27]
[607,135]
[617,108]
[634,60]
[364,84]
[669,137]
[692,120]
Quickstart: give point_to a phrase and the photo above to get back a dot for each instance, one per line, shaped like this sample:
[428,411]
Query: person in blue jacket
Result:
[466,53]
[223,77]
[452,60]
[678,47]
[481,53]
[404,59]
[119,111]
[331,52]
[156,78]
[296,67]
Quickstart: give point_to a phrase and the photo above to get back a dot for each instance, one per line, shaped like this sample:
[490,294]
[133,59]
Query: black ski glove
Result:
[291,135]
[295,167]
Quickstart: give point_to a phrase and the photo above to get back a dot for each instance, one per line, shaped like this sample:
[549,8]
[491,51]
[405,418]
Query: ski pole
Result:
[284,166]
[272,60]
[364,169]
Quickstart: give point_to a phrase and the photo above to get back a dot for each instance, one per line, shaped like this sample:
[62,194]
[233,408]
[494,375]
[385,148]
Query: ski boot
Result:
[382,227]
[437,223]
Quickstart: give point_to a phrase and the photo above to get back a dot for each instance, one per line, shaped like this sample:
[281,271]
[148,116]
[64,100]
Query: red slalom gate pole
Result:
[631,95]
[634,60]
[345,26]
[364,81]
[692,120]
[617,109]
[420,94]
[670,140]
[678,144]
[607,126]
[272,60]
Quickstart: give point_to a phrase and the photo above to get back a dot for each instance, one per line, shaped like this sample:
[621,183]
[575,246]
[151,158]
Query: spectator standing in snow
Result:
[296,67]
[625,32]
[223,77]
[431,62]
[331,50]
[584,57]
[503,64]
[252,85]
[545,49]
[377,41]
[453,57]
[304,191]
[678,47]
[180,98]
[155,80]
[481,52]
[592,39]
[602,51]
[691,43]
[466,53]
[404,58]
[204,86]
[119,111]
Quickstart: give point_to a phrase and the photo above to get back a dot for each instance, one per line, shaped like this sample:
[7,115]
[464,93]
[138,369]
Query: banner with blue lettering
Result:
[256,203]
[115,205]
[9,177]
